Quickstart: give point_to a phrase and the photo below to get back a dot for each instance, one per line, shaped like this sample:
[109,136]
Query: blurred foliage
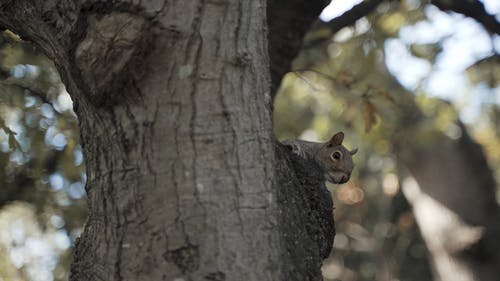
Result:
[41,177]
[344,84]
[486,70]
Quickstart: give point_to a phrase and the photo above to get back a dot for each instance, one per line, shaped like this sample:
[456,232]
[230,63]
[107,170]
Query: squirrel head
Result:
[337,160]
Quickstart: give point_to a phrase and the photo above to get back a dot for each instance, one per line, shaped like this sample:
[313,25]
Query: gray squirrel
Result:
[331,156]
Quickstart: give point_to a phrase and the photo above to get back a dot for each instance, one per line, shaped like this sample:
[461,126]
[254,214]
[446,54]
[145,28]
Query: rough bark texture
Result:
[288,22]
[306,221]
[173,103]
[187,185]
[172,99]
[307,228]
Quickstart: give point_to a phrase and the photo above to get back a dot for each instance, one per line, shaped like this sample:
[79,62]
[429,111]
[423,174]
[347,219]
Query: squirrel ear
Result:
[352,152]
[337,139]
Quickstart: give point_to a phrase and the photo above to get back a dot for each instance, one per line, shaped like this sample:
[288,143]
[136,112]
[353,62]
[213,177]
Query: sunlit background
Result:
[343,81]
[42,205]
[348,80]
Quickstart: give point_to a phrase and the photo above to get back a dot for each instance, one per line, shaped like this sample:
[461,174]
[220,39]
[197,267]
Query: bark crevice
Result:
[307,227]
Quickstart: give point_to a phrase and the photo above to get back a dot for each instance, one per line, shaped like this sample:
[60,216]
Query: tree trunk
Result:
[306,221]
[186,189]
[454,205]
[176,132]
[288,22]
[453,197]
[174,110]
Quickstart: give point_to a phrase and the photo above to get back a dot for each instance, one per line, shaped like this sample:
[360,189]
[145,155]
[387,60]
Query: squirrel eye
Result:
[336,155]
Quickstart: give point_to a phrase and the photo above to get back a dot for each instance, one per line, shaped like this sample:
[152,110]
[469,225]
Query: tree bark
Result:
[174,110]
[288,22]
[453,199]
[173,104]
[306,222]
[452,194]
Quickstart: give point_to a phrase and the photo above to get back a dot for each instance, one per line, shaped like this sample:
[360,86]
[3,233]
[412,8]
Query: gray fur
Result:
[335,170]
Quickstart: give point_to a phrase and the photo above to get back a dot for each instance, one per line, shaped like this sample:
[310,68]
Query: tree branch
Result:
[25,85]
[288,22]
[307,227]
[473,9]
[348,18]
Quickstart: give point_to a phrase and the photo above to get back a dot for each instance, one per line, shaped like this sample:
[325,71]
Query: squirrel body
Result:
[331,156]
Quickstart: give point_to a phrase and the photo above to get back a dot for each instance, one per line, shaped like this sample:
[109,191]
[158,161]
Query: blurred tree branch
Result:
[472,9]
[348,18]
[26,85]
[288,22]
[21,185]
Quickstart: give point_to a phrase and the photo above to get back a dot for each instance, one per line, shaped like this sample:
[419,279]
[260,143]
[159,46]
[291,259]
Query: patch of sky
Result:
[76,190]
[29,101]
[18,157]
[84,178]
[59,141]
[17,232]
[46,123]
[337,8]
[4,141]
[492,7]
[78,154]
[30,119]
[57,221]
[63,102]
[47,110]
[56,181]
[55,138]
[409,70]
[25,71]
[60,239]
[463,40]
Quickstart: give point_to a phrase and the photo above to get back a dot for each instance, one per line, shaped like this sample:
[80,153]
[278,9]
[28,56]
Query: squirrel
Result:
[331,156]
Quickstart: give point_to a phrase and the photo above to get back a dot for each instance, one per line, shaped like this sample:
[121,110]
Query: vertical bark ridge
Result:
[196,37]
